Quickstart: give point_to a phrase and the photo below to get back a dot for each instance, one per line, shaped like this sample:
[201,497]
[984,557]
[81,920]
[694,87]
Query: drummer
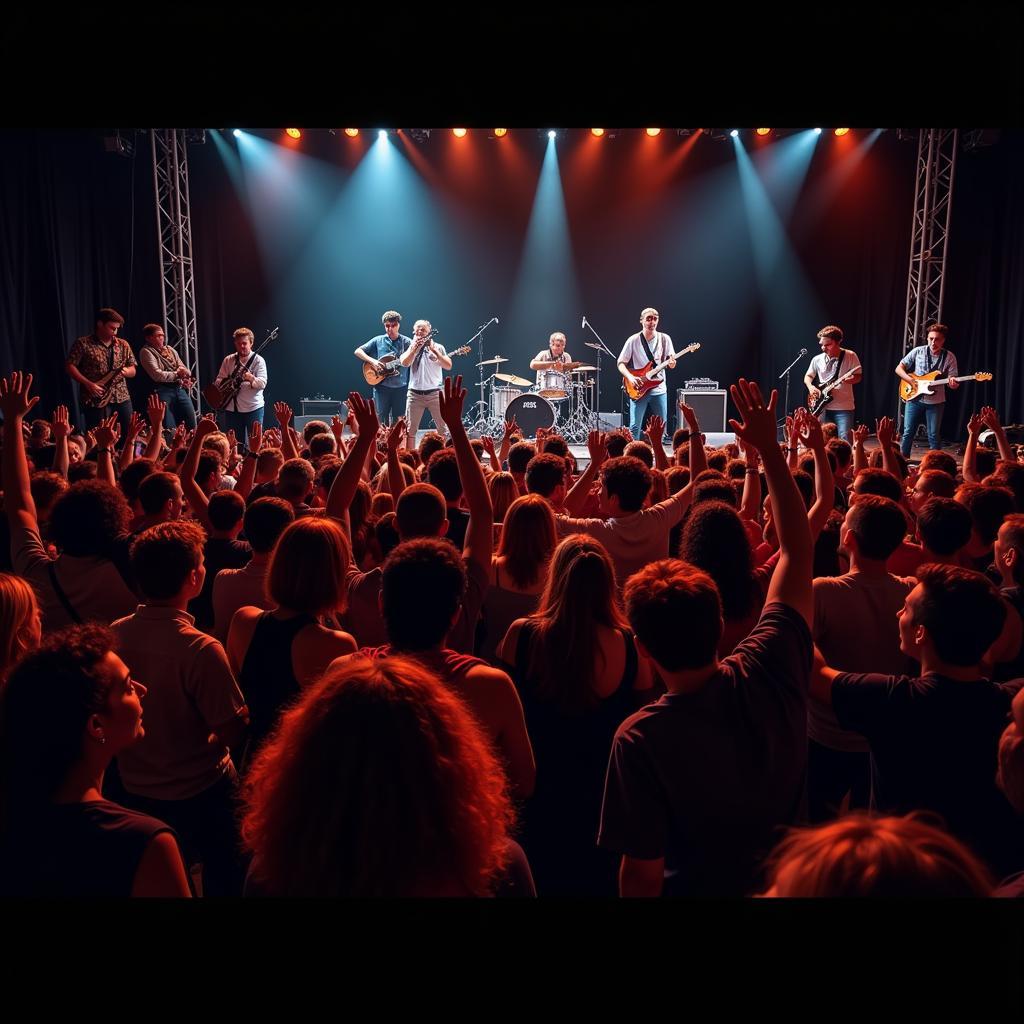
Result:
[550,358]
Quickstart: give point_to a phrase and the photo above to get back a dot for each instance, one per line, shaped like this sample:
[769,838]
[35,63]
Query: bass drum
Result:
[531,411]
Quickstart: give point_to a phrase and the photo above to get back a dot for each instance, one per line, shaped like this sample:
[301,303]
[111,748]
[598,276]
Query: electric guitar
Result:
[923,383]
[373,378]
[825,391]
[645,373]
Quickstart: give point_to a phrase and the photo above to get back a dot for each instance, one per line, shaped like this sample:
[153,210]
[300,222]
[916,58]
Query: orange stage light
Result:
[459,133]
[351,132]
[653,131]
[598,132]
[842,131]
[293,133]
[762,131]
[500,133]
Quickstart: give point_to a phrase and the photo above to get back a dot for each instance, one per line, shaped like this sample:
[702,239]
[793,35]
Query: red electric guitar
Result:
[645,373]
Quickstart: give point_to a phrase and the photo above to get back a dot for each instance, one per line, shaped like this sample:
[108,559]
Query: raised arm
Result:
[479,543]
[810,432]
[283,412]
[975,425]
[127,456]
[343,490]
[698,457]
[155,411]
[860,457]
[193,493]
[338,430]
[597,445]
[15,403]
[791,581]
[107,435]
[178,440]
[395,477]
[885,430]
[252,453]
[60,426]
[991,420]
[655,432]
[750,505]
[511,427]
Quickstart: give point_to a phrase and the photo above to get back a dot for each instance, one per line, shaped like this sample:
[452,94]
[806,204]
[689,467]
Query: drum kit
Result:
[561,399]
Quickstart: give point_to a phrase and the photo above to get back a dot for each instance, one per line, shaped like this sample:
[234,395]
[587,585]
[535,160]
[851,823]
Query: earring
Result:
[103,739]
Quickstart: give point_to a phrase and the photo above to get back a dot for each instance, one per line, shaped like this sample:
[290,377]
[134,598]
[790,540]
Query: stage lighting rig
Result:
[419,135]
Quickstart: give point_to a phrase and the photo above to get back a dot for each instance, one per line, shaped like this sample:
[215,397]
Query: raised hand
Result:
[135,424]
[108,433]
[542,436]
[272,438]
[757,424]
[396,435]
[350,419]
[283,411]
[178,437]
[690,415]
[60,424]
[990,417]
[255,435]
[511,427]
[337,427]
[492,455]
[597,445]
[885,430]
[975,424]
[453,394]
[156,410]
[364,414]
[15,400]
[90,441]
[206,426]
[860,434]
[655,429]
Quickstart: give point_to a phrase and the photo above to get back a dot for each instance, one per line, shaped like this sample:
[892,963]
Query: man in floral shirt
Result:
[90,362]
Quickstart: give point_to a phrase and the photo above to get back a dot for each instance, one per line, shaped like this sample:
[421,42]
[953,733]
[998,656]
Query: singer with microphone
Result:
[822,381]
[426,361]
[552,357]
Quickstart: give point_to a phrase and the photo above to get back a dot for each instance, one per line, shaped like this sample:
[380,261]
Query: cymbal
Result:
[593,344]
[511,378]
[583,368]
[493,362]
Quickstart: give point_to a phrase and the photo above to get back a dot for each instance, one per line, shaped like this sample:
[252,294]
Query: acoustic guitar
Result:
[373,378]
[924,383]
[645,373]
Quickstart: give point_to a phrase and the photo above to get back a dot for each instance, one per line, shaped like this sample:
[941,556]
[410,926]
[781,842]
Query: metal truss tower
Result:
[933,204]
[177,286]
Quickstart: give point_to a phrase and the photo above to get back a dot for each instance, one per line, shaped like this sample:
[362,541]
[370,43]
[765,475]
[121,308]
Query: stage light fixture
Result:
[652,132]
[459,133]
[817,131]
[763,131]
[500,133]
[352,132]
[840,132]
[237,133]
[293,133]
[597,132]
[382,134]
[734,133]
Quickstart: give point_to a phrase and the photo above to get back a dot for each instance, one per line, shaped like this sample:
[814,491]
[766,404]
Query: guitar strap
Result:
[938,362]
[839,366]
[647,348]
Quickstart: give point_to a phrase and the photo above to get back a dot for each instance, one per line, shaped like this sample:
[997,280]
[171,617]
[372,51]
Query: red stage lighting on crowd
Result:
[653,131]
[293,133]
[459,133]
[500,133]
[597,132]
[840,132]
[762,131]
[351,132]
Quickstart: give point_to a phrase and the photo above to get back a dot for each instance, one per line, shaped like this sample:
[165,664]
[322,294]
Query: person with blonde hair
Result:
[861,855]
[503,490]
[276,653]
[378,782]
[21,623]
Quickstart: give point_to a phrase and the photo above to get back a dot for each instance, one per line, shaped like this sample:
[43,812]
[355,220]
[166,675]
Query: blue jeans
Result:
[93,414]
[390,403]
[239,422]
[656,404]
[842,418]
[914,413]
[179,406]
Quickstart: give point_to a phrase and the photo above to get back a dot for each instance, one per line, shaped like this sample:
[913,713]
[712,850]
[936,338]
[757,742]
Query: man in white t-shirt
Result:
[550,358]
[634,356]
[427,362]
[831,363]
[247,403]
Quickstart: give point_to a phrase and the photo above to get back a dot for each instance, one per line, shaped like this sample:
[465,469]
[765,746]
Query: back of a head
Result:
[627,479]
[545,474]
[878,524]
[268,463]
[935,484]
[313,428]
[676,613]
[416,568]
[938,460]
[218,442]
[714,540]
[944,525]
[321,445]
[226,510]
[265,520]
[988,506]
[157,489]
[717,490]
[81,471]
[677,477]
[46,488]
[363,790]
[89,518]
[385,531]
[843,452]
[1009,475]
[443,473]
[431,442]
[617,445]
[132,476]
[308,567]
[961,610]
[164,556]
[878,481]
[863,856]
[985,461]
[519,456]
[503,491]
[420,512]
[805,485]
[641,450]
[295,480]
[528,538]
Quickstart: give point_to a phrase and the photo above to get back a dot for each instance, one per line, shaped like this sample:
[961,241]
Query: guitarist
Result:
[100,362]
[648,346]
[246,406]
[427,362]
[921,360]
[832,362]
[389,395]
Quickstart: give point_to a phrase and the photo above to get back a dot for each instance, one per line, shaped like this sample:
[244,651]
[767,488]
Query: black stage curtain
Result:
[80,233]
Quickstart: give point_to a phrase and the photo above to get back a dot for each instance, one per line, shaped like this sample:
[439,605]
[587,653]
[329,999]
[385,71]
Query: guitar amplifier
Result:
[709,406]
[318,408]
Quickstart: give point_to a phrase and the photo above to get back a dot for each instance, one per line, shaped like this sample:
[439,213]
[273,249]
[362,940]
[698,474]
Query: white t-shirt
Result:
[633,355]
[823,369]
[250,396]
[545,356]
[429,375]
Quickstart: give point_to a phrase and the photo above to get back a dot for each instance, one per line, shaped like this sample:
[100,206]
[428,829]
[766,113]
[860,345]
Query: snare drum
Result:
[500,398]
[552,384]
[531,411]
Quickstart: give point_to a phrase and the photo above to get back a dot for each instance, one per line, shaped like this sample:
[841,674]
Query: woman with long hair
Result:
[66,710]
[518,570]
[21,623]
[503,492]
[576,667]
[275,654]
[378,782]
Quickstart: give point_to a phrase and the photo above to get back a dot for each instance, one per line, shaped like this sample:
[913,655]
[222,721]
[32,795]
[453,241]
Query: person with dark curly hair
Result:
[379,782]
[66,711]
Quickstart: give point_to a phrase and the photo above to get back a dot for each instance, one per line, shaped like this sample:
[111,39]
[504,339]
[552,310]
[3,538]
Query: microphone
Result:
[496,320]
[584,324]
[803,351]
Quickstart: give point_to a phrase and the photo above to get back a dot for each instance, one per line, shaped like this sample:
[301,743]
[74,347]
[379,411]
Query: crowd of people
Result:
[338,662]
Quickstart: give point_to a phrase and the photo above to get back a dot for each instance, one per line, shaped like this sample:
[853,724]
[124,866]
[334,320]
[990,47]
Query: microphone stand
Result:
[482,420]
[595,421]
[785,374]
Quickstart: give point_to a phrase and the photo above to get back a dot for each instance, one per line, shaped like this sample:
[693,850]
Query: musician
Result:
[389,396]
[91,359]
[247,404]
[831,362]
[170,376]
[426,361]
[646,346]
[552,357]
[921,360]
